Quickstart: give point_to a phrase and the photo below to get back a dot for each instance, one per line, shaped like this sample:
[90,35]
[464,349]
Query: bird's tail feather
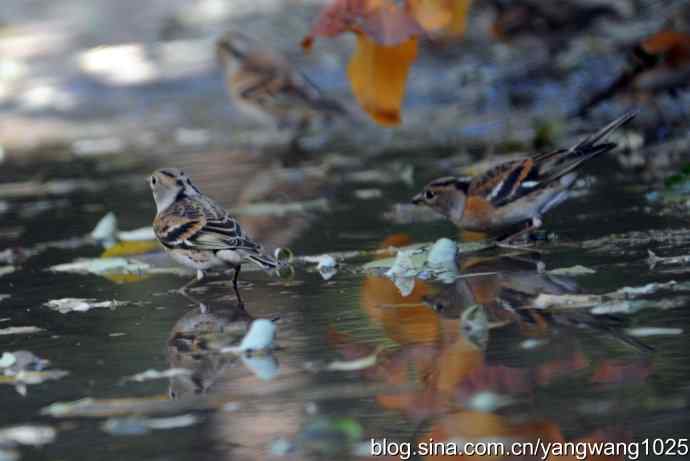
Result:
[586,149]
[591,141]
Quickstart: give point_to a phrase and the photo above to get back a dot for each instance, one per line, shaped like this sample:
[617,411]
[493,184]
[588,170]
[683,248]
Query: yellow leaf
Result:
[432,15]
[378,75]
[458,23]
[134,247]
[449,16]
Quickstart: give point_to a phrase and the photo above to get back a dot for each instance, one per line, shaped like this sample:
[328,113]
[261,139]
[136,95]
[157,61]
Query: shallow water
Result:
[555,376]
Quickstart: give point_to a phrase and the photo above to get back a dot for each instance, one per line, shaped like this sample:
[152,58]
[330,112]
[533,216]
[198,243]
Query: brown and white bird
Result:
[199,233]
[516,192]
[265,86]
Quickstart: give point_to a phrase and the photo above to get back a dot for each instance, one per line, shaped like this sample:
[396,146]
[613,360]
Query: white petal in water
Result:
[259,338]
[265,367]
[487,401]
[653,331]
[27,435]
[442,253]
[7,360]
[405,285]
[149,375]
[20,330]
[101,266]
[403,272]
[325,264]
[573,271]
[106,229]
[532,343]
[135,425]
[66,305]
[353,365]
[143,233]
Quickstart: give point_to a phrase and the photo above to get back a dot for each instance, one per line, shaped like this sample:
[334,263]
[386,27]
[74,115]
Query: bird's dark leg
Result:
[506,242]
[234,285]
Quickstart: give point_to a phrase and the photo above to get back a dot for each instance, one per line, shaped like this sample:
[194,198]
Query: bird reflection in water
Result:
[475,360]
[196,344]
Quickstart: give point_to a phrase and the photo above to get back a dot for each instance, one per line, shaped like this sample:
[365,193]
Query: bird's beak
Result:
[418,199]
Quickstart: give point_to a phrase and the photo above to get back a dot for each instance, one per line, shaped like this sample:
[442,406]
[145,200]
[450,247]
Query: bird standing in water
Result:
[517,192]
[199,233]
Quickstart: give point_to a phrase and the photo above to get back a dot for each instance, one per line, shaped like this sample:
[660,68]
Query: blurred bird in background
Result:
[264,86]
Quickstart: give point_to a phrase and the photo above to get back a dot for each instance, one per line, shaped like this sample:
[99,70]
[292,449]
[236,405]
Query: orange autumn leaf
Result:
[458,23]
[382,20]
[378,74]
[449,16]
[386,47]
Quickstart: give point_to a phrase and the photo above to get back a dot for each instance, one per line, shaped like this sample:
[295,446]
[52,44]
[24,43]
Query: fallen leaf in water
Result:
[356,364]
[264,367]
[653,259]
[653,331]
[325,264]
[136,425]
[572,271]
[131,248]
[16,361]
[24,330]
[488,402]
[98,408]
[66,305]
[7,359]
[442,254]
[149,375]
[27,435]
[259,338]
[105,230]
[403,271]
[115,266]
[23,368]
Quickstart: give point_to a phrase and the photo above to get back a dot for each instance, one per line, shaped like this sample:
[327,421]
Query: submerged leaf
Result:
[356,364]
[149,375]
[136,425]
[24,330]
[27,435]
[66,305]
[130,248]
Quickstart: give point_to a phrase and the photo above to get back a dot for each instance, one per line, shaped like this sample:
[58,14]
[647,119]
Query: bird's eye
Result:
[429,194]
[153,180]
